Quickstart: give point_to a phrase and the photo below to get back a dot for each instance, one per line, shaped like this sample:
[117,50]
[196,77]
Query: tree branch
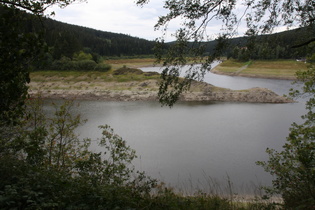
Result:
[23,6]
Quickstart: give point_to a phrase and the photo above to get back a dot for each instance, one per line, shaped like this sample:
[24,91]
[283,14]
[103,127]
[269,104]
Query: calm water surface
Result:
[195,144]
[187,145]
[238,83]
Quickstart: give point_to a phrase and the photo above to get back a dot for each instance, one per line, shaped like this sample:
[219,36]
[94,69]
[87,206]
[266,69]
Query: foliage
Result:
[36,7]
[311,59]
[65,39]
[48,166]
[294,166]
[81,56]
[102,67]
[191,36]
[17,51]
[274,46]
[66,64]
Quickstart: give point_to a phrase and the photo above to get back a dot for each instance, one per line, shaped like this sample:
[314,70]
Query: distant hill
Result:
[66,39]
[274,46]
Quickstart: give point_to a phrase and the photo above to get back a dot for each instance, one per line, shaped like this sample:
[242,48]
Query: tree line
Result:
[275,46]
[64,41]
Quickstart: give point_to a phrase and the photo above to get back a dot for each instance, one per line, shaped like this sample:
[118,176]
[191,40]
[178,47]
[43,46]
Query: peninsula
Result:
[130,84]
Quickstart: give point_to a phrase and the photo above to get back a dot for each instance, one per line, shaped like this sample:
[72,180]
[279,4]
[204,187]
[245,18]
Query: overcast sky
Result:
[119,16]
[124,16]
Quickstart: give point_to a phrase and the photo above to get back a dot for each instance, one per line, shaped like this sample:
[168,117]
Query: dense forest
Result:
[71,47]
[67,39]
[265,47]
[275,46]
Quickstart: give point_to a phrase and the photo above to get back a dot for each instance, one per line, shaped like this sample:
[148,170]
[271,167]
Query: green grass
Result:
[133,63]
[88,76]
[263,68]
[230,66]
[278,68]
[170,200]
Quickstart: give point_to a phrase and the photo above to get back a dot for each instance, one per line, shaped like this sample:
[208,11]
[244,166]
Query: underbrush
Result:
[123,74]
[44,165]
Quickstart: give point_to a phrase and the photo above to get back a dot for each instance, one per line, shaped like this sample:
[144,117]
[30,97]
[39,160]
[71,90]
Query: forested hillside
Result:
[275,46]
[66,39]
[72,47]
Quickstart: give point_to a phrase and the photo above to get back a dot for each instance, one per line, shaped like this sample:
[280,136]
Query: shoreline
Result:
[147,91]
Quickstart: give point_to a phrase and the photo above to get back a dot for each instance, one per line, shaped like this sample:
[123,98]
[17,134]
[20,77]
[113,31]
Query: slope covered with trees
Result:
[71,47]
[64,40]
[275,46]
[67,39]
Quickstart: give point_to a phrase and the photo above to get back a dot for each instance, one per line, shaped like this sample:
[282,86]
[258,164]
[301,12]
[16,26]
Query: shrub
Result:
[102,67]
[80,65]
[125,70]
[47,166]
[80,56]
[62,65]
[294,166]
[85,65]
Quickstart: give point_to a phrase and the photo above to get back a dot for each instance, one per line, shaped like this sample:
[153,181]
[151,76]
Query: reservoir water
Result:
[194,145]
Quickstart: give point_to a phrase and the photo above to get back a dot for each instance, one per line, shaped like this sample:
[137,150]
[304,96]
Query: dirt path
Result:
[241,69]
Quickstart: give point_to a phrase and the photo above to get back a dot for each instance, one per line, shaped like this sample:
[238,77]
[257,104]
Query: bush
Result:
[66,64]
[102,67]
[80,56]
[63,64]
[47,166]
[294,166]
[85,65]
[125,70]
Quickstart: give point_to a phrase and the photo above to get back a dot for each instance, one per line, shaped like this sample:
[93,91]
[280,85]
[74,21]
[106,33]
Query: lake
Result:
[199,145]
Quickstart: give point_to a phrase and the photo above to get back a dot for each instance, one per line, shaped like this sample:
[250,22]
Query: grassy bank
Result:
[131,63]
[89,76]
[282,69]
[123,82]
[279,69]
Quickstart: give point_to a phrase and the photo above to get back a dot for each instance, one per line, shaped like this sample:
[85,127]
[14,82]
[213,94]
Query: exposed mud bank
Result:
[147,91]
